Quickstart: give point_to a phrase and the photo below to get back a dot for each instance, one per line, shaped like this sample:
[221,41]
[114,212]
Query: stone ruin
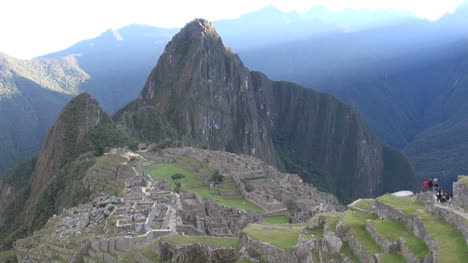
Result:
[149,208]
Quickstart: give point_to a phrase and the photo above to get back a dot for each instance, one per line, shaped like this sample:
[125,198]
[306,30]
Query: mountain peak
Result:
[199,28]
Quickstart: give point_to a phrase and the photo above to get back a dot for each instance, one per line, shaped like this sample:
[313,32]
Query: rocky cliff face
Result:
[207,94]
[324,139]
[211,98]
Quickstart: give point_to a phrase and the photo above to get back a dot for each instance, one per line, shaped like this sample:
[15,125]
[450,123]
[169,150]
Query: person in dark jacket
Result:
[439,196]
[446,196]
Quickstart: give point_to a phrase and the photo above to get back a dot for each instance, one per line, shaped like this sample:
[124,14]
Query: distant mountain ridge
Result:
[32,92]
[201,93]
[119,61]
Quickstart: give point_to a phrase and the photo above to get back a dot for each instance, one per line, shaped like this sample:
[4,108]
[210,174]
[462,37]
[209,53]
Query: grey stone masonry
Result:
[385,211]
[420,231]
[452,215]
[196,252]
[460,193]
[410,257]
[360,251]
[272,254]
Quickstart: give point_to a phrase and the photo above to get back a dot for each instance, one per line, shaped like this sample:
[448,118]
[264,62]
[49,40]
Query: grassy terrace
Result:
[237,201]
[392,258]
[407,204]
[449,240]
[332,222]
[282,235]
[356,221]
[313,233]
[276,219]
[365,204]
[346,249]
[392,230]
[164,171]
[205,240]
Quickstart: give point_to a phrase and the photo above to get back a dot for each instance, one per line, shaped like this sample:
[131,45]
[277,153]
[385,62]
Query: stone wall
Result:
[385,211]
[303,252]
[387,246]
[359,250]
[196,253]
[410,257]
[460,193]
[266,251]
[420,231]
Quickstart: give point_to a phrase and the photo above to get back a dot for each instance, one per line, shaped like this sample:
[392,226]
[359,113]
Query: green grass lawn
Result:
[148,252]
[356,221]
[240,203]
[276,219]
[407,204]
[448,239]
[164,171]
[392,258]
[281,235]
[332,222]
[317,232]
[205,240]
[392,230]
[365,204]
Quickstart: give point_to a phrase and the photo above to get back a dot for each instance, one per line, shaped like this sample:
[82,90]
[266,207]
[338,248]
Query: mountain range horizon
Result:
[145,134]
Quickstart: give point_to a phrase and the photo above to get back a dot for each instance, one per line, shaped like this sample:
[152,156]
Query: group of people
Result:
[433,186]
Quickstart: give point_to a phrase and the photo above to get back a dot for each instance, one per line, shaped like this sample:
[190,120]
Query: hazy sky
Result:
[31,28]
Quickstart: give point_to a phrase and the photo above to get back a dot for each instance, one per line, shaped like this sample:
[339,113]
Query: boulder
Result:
[331,243]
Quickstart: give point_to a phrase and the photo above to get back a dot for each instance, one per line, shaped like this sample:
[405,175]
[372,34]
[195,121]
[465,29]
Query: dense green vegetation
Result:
[204,240]
[281,235]
[11,223]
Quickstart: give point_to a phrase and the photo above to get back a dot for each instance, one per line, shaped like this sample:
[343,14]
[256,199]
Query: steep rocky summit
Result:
[66,137]
[212,99]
